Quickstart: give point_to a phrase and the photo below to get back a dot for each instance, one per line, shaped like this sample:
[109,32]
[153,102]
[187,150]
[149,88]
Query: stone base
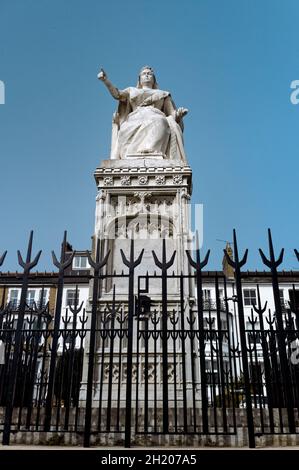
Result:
[61,437]
[159,156]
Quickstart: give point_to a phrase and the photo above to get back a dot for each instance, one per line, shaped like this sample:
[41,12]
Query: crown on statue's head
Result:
[147,67]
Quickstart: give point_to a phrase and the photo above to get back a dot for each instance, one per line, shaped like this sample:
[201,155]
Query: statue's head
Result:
[147,78]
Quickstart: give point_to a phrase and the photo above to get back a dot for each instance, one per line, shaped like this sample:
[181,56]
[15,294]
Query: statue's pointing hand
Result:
[102,75]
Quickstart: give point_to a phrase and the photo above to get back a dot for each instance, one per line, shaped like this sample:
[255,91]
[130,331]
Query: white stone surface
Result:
[148,200]
[147,121]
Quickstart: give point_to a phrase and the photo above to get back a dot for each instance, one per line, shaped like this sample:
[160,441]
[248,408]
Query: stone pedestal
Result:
[148,199]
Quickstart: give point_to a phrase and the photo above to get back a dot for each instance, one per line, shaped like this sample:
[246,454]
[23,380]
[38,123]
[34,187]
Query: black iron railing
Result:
[138,364]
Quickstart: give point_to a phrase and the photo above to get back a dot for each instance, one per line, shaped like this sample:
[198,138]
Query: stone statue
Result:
[147,122]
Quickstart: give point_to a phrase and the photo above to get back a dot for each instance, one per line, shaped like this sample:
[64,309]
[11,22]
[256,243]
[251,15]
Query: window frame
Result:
[80,268]
[14,302]
[247,299]
[73,290]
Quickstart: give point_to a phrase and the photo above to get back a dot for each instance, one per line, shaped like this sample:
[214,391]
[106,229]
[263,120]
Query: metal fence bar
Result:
[198,265]
[237,264]
[221,361]
[272,263]
[131,264]
[61,265]
[164,266]
[97,266]
[183,342]
[17,352]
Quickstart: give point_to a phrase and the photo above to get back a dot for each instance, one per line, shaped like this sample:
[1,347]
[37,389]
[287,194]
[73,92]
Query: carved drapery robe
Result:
[144,125]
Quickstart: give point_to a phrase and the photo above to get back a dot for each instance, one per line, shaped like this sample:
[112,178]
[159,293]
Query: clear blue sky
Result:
[230,62]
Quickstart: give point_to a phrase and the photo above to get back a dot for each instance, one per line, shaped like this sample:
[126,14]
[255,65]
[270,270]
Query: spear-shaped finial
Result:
[131,263]
[63,263]
[28,264]
[164,265]
[236,264]
[272,263]
[198,265]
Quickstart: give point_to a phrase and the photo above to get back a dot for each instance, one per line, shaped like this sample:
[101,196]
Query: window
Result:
[71,297]
[42,298]
[255,372]
[30,297]
[206,294]
[254,336]
[294,298]
[80,262]
[206,297]
[249,297]
[14,298]
[212,373]
[283,303]
[223,324]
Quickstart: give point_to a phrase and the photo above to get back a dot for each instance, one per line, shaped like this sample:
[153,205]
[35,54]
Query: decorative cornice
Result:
[159,177]
[147,170]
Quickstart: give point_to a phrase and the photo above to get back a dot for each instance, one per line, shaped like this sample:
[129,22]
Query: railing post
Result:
[97,266]
[131,264]
[164,266]
[62,265]
[237,264]
[27,266]
[260,311]
[113,310]
[198,266]
[75,310]
[220,349]
[272,263]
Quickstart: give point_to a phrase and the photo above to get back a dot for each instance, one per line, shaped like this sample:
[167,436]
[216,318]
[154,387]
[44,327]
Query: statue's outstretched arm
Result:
[112,89]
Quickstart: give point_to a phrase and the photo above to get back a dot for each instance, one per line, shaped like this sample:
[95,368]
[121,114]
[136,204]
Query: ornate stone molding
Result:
[102,194]
[125,180]
[149,170]
[142,195]
[160,180]
[108,181]
[143,180]
[177,179]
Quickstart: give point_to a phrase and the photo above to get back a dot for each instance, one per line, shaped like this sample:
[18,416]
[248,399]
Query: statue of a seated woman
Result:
[147,122]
